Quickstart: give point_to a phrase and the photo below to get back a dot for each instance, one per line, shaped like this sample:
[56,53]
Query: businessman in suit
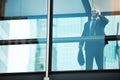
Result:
[94,49]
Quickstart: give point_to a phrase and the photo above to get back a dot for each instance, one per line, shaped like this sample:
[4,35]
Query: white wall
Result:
[106,5]
[39,7]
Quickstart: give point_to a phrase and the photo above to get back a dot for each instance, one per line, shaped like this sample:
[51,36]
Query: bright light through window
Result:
[18,54]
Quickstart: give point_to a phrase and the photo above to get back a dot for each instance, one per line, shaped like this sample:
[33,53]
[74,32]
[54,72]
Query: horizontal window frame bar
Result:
[65,75]
[109,13]
[58,40]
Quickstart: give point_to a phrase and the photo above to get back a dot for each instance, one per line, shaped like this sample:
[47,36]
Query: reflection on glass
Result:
[22,58]
[3,58]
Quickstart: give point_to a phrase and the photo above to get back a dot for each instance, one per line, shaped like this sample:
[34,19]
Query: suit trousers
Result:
[94,51]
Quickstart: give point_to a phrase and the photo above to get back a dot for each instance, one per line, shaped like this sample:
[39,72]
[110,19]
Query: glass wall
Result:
[68,27]
[69,31]
[66,35]
[15,57]
[25,57]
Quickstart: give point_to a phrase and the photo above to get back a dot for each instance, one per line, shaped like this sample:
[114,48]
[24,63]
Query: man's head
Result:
[95,12]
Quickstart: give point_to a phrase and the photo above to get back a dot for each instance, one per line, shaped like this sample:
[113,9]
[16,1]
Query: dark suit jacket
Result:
[99,30]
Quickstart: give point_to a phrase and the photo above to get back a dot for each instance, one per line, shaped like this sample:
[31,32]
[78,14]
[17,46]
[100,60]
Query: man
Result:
[93,48]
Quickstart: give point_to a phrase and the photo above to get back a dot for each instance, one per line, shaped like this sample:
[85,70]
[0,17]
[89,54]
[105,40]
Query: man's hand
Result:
[98,11]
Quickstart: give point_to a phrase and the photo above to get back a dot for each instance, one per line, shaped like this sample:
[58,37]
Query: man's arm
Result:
[81,43]
[103,19]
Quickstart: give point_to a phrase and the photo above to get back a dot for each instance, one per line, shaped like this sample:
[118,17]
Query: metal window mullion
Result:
[49,37]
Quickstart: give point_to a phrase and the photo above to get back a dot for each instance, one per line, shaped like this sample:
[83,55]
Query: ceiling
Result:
[39,7]
[84,6]
[79,6]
